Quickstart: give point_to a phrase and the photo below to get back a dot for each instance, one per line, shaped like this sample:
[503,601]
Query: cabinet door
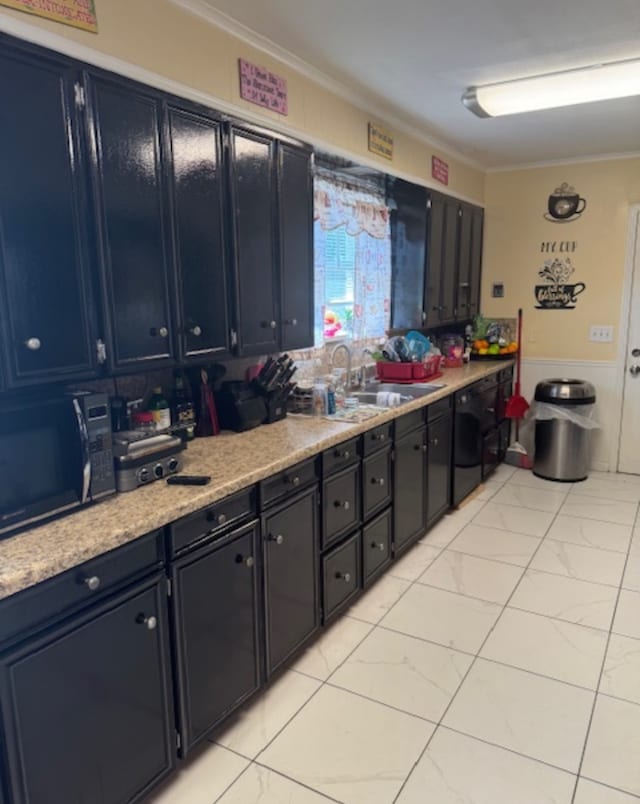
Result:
[295,187]
[133,230]
[87,711]
[449,265]
[376,483]
[475,261]
[439,468]
[195,164]
[410,488]
[433,264]
[291,577]
[254,243]
[215,603]
[45,300]
[341,505]
[408,236]
[463,301]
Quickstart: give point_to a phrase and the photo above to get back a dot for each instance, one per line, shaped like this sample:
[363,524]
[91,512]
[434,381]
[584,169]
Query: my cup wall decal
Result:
[565,204]
[558,293]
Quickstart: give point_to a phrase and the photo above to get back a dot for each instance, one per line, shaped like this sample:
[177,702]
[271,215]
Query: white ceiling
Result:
[420,55]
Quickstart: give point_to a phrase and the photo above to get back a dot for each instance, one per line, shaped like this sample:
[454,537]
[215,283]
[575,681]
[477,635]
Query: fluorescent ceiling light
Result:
[599,82]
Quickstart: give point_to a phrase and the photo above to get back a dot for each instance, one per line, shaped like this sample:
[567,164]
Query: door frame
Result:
[631,272]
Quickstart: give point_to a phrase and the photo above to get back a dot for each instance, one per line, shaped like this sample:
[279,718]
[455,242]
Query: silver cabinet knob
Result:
[346,454]
[33,344]
[249,561]
[422,447]
[434,442]
[344,505]
[160,331]
[380,437]
[221,519]
[150,623]
[92,582]
[279,539]
[345,576]
[196,331]
[634,370]
[269,324]
[291,322]
[295,481]
[377,481]
[378,546]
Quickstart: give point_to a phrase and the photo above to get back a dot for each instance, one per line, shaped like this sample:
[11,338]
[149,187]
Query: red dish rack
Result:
[409,372]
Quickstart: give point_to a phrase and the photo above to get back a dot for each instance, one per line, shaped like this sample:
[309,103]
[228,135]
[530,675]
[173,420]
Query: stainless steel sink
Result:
[369,395]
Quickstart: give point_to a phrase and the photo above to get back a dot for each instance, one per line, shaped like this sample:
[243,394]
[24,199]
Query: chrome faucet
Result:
[347,383]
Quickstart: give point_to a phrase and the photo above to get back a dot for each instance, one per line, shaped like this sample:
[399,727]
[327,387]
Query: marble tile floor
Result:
[497,663]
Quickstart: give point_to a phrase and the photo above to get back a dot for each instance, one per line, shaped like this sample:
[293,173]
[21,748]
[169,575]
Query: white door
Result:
[629,455]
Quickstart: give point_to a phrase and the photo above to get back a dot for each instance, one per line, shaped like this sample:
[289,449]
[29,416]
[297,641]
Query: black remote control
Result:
[188,480]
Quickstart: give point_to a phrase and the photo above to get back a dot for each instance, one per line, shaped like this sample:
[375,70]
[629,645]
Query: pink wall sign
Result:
[263,87]
[439,170]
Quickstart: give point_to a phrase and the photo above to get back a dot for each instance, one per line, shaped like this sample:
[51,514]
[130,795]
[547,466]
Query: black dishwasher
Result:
[467,441]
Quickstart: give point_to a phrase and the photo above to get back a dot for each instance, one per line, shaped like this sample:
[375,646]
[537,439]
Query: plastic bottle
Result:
[331,398]
[159,407]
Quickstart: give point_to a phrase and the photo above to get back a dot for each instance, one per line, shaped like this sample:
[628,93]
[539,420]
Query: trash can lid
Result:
[565,392]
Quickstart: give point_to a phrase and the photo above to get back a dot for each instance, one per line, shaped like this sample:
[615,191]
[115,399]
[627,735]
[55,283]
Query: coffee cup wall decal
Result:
[558,293]
[565,204]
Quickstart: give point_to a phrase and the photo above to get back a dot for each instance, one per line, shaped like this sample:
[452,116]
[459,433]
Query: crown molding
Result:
[370,105]
[40,36]
[574,160]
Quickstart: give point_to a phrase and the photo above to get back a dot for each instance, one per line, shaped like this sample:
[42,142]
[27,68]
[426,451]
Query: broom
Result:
[517,406]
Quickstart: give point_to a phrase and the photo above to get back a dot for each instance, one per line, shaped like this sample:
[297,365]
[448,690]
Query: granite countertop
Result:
[234,461]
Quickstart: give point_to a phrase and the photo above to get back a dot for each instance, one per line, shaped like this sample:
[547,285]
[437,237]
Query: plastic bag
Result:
[582,415]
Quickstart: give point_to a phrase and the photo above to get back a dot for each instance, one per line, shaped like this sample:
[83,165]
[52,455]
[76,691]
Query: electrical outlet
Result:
[497,290]
[601,333]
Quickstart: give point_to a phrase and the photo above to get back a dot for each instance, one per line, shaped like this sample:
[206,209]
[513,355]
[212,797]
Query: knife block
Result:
[276,409]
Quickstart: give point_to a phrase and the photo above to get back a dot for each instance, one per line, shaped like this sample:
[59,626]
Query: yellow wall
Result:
[515,203]
[159,36]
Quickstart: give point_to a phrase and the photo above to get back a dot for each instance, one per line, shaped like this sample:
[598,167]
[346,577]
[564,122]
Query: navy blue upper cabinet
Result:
[133,230]
[195,165]
[45,297]
[295,193]
[253,199]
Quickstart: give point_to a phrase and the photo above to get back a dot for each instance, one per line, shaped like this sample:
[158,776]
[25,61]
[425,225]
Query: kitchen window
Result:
[352,258]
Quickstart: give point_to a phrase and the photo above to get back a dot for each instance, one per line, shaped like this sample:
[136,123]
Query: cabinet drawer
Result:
[376,483]
[376,439]
[341,571]
[377,537]
[438,409]
[341,505]
[212,520]
[293,479]
[340,456]
[410,421]
[80,586]
[506,374]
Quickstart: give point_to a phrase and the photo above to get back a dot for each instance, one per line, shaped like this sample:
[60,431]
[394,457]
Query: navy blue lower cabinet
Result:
[291,576]
[215,600]
[87,710]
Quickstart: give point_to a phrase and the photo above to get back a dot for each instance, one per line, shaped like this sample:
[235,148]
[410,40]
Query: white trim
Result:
[44,38]
[632,256]
[554,361]
[370,105]
[574,160]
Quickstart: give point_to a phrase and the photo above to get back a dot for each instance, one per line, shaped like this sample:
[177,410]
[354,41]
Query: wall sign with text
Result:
[77,13]
[380,141]
[439,170]
[558,293]
[262,87]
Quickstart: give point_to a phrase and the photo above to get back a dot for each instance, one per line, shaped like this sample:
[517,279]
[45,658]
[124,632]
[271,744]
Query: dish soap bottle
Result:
[159,407]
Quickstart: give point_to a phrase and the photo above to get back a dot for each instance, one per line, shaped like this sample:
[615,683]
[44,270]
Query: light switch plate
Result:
[601,333]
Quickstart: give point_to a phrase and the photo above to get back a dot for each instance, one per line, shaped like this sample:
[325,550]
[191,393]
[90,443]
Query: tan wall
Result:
[515,203]
[162,38]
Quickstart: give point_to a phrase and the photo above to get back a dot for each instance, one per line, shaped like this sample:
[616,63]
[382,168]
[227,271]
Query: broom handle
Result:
[519,352]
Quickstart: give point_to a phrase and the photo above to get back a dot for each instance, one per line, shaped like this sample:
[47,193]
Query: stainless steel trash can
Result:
[563,446]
